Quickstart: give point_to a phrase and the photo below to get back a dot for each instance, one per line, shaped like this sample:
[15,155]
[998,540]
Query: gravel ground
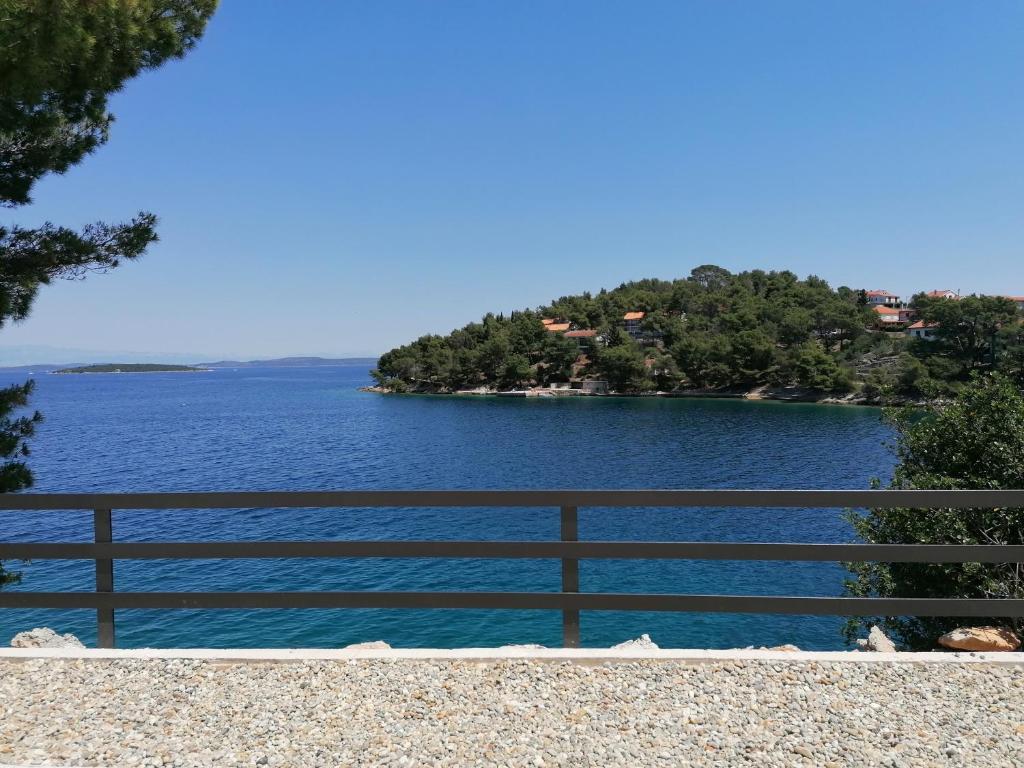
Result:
[514,713]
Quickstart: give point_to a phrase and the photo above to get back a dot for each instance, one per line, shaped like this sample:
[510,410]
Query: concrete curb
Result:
[584,655]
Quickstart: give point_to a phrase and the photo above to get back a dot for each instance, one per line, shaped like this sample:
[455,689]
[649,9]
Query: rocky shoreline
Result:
[787,394]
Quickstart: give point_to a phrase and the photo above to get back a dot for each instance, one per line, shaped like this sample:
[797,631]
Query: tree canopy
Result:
[975,441]
[715,329]
[60,60]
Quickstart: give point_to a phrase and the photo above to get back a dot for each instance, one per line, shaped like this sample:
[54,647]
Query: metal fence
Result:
[568,549]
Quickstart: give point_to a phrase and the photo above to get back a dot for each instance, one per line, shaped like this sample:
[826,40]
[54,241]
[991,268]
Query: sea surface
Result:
[310,429]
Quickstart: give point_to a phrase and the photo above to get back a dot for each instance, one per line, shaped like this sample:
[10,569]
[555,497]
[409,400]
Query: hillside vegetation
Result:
[715,330]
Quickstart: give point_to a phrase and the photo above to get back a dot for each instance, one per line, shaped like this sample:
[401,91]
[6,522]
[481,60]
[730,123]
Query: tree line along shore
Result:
[757,334]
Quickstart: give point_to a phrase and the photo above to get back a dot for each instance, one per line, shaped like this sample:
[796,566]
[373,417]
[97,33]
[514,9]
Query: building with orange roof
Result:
[632,321]
[943,294]
[922,330]
[888,315]
[558,327]
[584,337]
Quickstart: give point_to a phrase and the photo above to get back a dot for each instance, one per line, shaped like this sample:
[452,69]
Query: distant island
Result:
[281,362]
[293,362]
[132,368]
[756,334]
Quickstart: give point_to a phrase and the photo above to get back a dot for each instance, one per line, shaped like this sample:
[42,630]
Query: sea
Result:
[311,428]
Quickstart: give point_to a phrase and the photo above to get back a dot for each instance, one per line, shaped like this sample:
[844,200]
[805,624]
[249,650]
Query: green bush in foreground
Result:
[975,441]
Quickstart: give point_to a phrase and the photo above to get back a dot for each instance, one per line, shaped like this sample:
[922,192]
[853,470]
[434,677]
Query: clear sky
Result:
[339,177]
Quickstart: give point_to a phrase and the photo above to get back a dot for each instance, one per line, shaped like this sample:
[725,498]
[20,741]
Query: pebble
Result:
[181,713]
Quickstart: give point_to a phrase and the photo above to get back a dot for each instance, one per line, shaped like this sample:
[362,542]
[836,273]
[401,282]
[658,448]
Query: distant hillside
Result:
[131,368]
[291,362]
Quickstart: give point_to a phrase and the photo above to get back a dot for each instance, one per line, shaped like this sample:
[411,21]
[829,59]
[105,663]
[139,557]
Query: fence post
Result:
[104,579]
[570,580]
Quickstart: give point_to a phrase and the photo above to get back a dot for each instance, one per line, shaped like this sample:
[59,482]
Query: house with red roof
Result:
[922,330]
[889,315]
[584,337]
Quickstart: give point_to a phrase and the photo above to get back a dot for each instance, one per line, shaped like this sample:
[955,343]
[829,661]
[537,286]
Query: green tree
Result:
[1010,351]
[811,366]
[975,441]
[623,367]
[515,372]
[752,356]
[59,63]
[558,354]
[966,328]
[703,356]
[665,372]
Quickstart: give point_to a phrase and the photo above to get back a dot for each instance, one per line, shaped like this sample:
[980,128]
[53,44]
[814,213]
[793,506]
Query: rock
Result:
[980,639]
[522,647]
[641,643]
[44,637]
[877,641]
[787,648]
[373,645]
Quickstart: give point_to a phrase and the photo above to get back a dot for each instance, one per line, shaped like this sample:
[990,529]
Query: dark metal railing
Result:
[569,550]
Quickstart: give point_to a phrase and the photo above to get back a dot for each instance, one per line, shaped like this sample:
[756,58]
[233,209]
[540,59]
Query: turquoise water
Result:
[309,429]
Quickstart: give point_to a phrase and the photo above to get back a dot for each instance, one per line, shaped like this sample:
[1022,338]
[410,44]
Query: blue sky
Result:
[339,177]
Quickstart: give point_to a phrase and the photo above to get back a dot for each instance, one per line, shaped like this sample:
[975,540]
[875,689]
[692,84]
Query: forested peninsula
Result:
[753,334]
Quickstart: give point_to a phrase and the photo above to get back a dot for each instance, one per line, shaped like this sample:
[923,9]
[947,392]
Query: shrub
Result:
[975,441]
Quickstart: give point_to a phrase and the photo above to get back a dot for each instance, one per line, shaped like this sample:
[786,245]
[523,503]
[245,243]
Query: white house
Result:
[888,315]
[922,330]
[880,298]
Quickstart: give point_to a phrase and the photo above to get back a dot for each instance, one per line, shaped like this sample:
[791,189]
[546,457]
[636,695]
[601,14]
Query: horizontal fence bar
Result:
[815,606]
[889,553]
[553,498]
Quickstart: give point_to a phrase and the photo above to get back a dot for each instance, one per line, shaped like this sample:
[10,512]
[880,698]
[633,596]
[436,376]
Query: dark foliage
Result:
[60,60]
[975,441]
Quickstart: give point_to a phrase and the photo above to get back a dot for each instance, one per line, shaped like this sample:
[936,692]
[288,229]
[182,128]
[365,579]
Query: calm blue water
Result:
[309,429]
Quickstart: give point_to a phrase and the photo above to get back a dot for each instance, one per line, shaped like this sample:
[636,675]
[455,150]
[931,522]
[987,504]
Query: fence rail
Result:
[104,551]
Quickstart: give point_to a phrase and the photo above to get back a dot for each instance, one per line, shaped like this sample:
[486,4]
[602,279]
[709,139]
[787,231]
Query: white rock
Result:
[373,645]
[643,642]
[44,637]
[878,641]
[522,647]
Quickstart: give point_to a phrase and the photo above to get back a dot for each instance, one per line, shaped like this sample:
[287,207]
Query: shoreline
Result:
[758,394]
